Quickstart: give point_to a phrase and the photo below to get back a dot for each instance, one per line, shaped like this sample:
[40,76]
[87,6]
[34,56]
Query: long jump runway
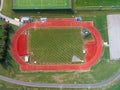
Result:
[113,22]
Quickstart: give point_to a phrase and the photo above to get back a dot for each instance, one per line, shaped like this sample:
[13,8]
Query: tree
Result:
[7,27]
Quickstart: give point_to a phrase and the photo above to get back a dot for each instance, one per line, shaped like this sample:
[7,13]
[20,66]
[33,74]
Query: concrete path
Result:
[32,84]
[12,21]
[1,6]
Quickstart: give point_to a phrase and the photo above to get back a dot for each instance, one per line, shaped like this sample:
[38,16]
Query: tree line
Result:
[6,29]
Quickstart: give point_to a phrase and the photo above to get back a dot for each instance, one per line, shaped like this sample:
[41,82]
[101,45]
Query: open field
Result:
[42,4]
[98,3]
[8,86]
[55,45]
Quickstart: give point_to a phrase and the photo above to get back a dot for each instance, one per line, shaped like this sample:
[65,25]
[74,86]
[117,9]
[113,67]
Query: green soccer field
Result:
[55,46]
[41,4]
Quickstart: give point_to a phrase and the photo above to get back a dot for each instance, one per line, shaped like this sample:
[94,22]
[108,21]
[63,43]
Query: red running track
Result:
[22,45]
[94,48]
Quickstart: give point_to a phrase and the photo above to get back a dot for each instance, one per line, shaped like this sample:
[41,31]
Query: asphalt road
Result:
[1,6]
[32,84]
[8,19]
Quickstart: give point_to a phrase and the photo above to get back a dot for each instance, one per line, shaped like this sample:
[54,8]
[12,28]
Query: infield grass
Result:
[41,4]
[55,45]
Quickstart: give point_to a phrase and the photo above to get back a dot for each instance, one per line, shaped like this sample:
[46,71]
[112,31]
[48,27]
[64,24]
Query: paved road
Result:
[1,6]
[12,21]
[32,84]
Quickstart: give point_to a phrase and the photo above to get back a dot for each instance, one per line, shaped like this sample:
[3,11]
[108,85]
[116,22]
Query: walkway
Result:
[12,21]
[1,6]
[32,84]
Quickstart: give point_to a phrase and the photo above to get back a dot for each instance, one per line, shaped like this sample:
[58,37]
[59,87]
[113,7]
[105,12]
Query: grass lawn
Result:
[96,5]
[41,4]
[1,32]
[115,87]
[97,2]
[55,45]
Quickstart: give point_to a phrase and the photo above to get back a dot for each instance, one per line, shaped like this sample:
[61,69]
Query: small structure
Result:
[84,51]
[43,19]
[6,20]
[16,19]
[86,33]
[32,19]
[26,59]
[76,59]
[106,44]
[25,19]
[35,62]
[78,19]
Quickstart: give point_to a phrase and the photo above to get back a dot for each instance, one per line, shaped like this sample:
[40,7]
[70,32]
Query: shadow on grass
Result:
[6,62]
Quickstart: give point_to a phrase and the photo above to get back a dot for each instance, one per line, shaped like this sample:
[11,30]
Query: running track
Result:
[70,22]
[98,85]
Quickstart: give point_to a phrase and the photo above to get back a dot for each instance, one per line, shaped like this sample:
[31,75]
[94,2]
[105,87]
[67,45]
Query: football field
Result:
[55,46]
[41,4]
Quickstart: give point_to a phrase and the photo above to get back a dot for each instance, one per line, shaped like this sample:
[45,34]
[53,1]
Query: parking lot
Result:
[113,22]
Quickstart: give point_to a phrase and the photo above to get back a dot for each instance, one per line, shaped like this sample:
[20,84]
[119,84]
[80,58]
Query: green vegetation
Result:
[2,42]
[97,3]
[115,87]
[7,10]
[55,45]
[7,62]
[42,4]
